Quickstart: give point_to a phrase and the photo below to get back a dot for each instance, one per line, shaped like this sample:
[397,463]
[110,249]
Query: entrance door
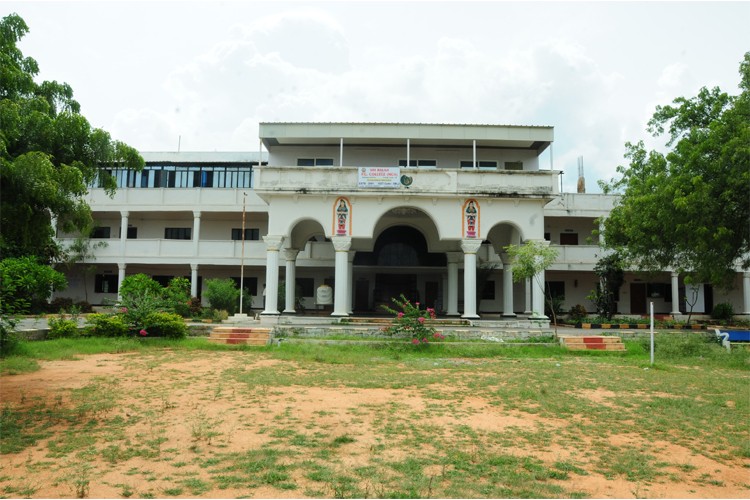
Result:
[362,295]
[638,298]
[388,286]
[431,291]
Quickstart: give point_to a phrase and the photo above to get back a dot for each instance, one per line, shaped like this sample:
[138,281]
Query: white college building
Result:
[371,210]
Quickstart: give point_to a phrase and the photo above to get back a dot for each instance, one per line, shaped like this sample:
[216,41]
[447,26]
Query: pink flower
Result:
[143,333]
[417,304]
[124,310]
[415,341]
[400,315]
[420,319]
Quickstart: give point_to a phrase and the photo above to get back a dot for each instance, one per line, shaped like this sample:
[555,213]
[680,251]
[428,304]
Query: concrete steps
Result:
[592,342]
[240,335]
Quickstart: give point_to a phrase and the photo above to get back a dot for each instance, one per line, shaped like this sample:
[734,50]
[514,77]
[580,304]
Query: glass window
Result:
[251,233]
[418,163]
[513,165]
[177,233]
[105,283]
[100,232]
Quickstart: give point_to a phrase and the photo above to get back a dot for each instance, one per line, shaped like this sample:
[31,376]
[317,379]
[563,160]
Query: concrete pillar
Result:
[123,231]
[527,296]
[120,277]
[290,254]
[746,292]
[470,246]
[537,296]
[508,291]
[452,288]
[196,231]
[350,287]
[273,245]
[675,293]
[341,245]
[193,280]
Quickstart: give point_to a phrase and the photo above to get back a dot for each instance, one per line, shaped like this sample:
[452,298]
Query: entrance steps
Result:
[592,342]
[240,335]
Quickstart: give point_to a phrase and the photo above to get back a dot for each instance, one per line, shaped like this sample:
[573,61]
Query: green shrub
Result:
[177,296]
[222,294]
[219,315]
[140,296]
[161,324]
[8,337]
[62,328]
[60,304]
[106,325]
[83,307]
[723,311]
[196,307]
[25,284]
[577,313]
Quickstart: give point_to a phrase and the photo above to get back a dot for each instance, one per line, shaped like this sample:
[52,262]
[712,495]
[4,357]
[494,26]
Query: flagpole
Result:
[242,252]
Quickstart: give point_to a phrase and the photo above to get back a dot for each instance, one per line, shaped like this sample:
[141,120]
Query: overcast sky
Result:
[204,74]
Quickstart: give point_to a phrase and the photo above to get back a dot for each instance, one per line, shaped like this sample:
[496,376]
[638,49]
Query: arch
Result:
[412,217]
[504,233]
[303,230]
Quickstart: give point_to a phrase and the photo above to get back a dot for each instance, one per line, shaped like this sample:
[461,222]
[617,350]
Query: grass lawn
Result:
[151,418]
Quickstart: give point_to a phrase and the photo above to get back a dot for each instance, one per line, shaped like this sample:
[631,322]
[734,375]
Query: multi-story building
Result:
[371,210]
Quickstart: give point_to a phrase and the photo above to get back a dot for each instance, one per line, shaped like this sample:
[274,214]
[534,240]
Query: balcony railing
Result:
[429,181]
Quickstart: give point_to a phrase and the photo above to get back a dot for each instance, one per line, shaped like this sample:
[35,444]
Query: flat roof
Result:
[536,138]
[200,156]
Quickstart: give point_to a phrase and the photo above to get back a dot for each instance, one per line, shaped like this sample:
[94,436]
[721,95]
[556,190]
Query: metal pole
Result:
[652,334]
[242,252]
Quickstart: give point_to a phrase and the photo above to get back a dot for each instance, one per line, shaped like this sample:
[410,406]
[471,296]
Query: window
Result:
[555,289]
[163,280]
[486,165]
[252,233]
[306,287]
[315,162]
[568,238]
[177,233]
[100,232]
[105,283]
[250,284]
[513,165]
[418,163]
[132,233]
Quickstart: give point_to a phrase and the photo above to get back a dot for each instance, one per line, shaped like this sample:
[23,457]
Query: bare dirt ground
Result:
[185,406]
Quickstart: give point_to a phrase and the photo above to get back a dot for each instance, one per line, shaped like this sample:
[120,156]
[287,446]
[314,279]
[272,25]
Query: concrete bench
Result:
[729,337]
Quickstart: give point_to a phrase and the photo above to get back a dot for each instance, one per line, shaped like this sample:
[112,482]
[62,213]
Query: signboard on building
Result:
[379,177]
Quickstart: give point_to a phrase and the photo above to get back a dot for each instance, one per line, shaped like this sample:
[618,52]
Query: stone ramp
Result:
[240,335]
[592,342]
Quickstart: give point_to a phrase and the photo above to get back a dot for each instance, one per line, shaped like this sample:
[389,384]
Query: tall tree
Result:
[689,210]
[49,154]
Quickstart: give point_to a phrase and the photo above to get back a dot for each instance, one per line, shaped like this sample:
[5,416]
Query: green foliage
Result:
[723,311]
[688,209]
[410,320]
[177,296]
[140,296]
[222,294]
[49,154]
[62,328]
[528,261]
[577,313]
[162,324]
[8,336]
[25,284]
[106,325]
[609,269]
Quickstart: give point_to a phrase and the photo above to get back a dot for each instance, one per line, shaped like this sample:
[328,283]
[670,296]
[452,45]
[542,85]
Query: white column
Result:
[120,277]
[508,291]
[196,231]
[452,302]
[470,248]
[123,231]
[341,153]
[290,254]
[350,288]
[193,280]
[474,153]
[675,293]
[527,293]
[746,292]
[273,245]
[341,245]
[537,296]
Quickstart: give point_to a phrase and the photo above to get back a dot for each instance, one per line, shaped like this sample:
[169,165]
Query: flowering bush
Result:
[411,321]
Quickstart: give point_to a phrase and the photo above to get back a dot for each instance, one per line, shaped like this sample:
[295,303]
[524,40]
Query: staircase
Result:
[240,335]
[592,342]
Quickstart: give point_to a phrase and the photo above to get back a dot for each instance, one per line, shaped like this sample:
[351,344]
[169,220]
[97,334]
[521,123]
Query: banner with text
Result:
[379,177]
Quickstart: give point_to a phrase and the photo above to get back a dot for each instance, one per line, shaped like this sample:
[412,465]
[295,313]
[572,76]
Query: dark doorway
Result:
[431,294]
[638,298]
[388,286]
[362,295]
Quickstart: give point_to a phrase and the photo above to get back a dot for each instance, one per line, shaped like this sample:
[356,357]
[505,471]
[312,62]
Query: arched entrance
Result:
[400,263]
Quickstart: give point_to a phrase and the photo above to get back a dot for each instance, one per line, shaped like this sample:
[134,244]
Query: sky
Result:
[200,76]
